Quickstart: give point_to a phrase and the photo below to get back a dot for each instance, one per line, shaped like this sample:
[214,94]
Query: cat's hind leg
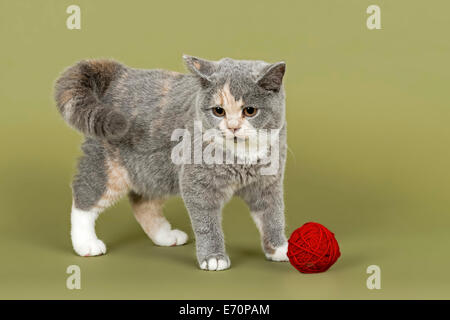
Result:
[100,182]
[84,239]
[149,214]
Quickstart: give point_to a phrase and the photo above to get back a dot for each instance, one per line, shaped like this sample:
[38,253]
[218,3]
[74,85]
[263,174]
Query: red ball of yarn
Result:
[313,248]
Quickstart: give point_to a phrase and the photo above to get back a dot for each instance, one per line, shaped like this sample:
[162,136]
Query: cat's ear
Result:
[200,67]
[272,77]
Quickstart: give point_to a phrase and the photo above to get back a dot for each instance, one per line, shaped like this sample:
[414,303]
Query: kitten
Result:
[128,117]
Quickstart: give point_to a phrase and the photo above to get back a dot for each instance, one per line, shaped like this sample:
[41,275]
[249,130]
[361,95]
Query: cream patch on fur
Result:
[150,216]
[197,65]
[117,186]
[225,99]
[233,118]
[233,108]
[68,110]
[164,92]
[257,219]
[166,87]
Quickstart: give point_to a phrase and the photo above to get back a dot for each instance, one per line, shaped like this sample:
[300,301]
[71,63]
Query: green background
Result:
[368,130]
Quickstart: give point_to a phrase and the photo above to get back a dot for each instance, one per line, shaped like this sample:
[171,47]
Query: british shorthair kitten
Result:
[129,117]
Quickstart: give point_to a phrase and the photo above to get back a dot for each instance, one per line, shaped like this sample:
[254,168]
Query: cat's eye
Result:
[250,111]
[218,111]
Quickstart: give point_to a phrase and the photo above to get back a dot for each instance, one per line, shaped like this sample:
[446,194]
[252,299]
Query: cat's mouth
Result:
[234,137]
[237,139]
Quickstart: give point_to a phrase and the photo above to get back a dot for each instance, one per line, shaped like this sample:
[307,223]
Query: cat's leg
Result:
[84,239]
[149,214]
[100,182]
[267,210]
[204,203]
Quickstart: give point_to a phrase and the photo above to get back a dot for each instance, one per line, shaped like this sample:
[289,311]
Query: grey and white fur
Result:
[128,116]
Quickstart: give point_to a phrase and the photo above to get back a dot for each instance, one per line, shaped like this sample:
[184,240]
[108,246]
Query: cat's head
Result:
[238,97]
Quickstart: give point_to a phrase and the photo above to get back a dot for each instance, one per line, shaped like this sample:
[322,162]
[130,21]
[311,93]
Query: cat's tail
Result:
[79,93]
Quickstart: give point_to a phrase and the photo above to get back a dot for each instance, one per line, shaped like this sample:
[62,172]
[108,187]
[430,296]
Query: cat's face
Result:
[239,97]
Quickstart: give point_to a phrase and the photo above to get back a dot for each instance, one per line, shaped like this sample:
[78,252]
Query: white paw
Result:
[280,254]
[91,247]
[215,263]
[169,238]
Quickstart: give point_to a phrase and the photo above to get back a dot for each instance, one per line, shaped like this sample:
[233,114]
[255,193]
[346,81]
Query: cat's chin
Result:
[235,140]
[241,148]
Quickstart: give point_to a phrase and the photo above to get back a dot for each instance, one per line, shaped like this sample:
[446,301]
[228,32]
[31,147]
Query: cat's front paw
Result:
[215,262]
[88,248]
[278,254]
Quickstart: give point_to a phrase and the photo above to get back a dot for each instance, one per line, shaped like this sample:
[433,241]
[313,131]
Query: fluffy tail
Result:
[79,92]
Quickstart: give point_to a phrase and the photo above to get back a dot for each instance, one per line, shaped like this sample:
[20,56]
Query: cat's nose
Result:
[233,129]
[233,126]
[233,122]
